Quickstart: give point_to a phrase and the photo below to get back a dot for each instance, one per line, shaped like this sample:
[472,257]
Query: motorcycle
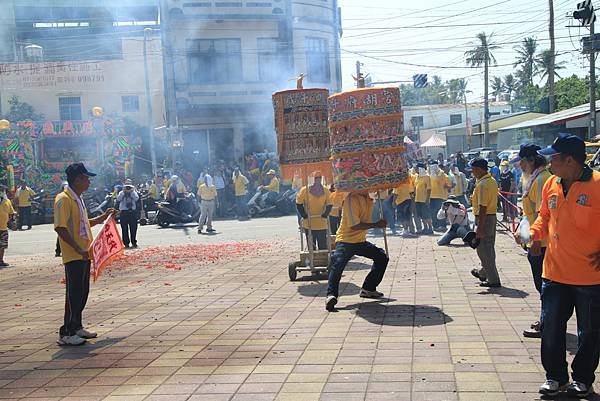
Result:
[106,204]
[184,210]
[37,211]
[265,203]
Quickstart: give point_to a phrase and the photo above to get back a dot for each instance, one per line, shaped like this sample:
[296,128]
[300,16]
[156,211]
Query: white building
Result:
[228,57]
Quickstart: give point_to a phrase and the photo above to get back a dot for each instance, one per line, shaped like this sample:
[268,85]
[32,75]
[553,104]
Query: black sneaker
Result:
[475,273]
[210,230]
[490,285]
[579,389]
[330,303]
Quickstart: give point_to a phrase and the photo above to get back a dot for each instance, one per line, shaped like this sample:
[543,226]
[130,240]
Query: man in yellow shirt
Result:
[207,193]
[351,239]
[422,194]
[315,200]
[337,199]
[75,236]
[23,197]
[240,186]
[440,185]
[6,213]
[535,175]
[485,201]
[403,195]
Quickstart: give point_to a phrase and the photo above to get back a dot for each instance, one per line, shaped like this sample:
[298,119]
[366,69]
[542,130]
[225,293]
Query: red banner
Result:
[106,246]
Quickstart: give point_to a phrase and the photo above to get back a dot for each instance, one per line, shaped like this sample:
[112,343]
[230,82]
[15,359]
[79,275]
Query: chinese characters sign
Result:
[50,74]
[106,246]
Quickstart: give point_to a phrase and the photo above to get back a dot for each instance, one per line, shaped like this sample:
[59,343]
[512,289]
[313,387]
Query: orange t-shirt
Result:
[571,226]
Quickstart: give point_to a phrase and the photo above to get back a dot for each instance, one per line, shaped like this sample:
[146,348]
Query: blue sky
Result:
[390,36]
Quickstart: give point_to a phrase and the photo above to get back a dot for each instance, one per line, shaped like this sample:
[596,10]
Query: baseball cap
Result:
[526,150]
[76,169]
[479,162]
[566,144]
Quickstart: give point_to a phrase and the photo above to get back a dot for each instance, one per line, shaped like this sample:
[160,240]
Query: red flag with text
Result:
[106,246]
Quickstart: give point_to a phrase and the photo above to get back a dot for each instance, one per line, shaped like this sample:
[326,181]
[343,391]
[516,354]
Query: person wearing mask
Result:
[456,215]
[6,213]
[535,175]
[128,203]
[73,227]
[403,197]
[568,219]
[240,186]
[459,189]
[509,187]
[422,196]
[316,201]
[337,200]
[484,201]
[207,193]
[23,197]
[351,239]
[440,185]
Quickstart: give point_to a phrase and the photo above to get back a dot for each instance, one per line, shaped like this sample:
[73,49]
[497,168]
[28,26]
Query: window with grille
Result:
[317,60]
[69,108]
[214,61]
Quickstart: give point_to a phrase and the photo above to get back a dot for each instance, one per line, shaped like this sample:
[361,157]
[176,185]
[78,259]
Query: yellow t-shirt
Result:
[357,208]
[316,207]
[485,194]
[438,183]
[422,184]
[404,190]
[532,202]
[153,191]
[273,185]
[240,183]
[24,196]
[66,215]
[6,210]
[207,193]
[337,198]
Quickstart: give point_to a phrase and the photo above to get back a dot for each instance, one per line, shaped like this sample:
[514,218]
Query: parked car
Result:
[483,152]
[593,154]
[508,154]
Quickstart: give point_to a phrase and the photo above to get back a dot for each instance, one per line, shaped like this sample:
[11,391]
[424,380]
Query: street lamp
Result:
[147,32]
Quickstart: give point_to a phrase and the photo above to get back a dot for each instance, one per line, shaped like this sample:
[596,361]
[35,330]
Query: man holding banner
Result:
[75,236]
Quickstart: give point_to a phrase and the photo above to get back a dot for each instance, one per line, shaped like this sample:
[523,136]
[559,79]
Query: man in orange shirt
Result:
[568,218]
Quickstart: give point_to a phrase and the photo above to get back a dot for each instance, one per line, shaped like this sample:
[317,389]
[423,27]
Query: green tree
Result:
[21,111]
[529,98]
[457,89]
[526,59]
[481,55]
[509,86]
[497,88]
[543,64]
[572,91]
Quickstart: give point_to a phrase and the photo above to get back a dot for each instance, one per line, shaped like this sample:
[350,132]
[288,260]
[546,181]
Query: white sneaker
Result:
[71,340]
[330,303]
[551,388]
[83,333]
[579,390]
[370,294]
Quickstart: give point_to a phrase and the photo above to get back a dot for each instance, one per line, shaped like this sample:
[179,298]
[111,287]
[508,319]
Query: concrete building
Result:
[226,58]
[65,57]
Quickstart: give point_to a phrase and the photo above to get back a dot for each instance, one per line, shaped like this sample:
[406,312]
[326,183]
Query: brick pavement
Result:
[240,330]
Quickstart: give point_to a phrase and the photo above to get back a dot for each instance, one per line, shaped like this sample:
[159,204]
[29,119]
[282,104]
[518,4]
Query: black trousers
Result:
[24,217]
[129,225]
[77,275]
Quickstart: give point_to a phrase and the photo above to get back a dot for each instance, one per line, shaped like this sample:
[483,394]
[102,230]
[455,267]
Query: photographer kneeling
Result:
[456,215]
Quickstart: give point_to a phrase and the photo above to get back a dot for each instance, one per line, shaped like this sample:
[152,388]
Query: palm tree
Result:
[509,85]
[482,55]
[497,88]
[526,59]
[544,62]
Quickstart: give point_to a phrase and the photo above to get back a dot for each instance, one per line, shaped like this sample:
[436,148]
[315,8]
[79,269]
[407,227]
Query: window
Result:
[69,108]
[317,60]
[271,59]
[455,119]
[214,61]
[130,103]
[416,121]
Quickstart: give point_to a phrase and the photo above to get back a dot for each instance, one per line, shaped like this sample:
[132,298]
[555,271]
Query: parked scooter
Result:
[184,210]
[265,203]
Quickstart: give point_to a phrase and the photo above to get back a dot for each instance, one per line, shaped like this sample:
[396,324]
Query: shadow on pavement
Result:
[86,350]
[378,312]
[318,289]
[505,292]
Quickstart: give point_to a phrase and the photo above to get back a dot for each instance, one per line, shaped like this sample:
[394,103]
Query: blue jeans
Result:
[241,206]
[388,214]
[455,231]
[558,301]
[435,205]
[536,263]
[343,252]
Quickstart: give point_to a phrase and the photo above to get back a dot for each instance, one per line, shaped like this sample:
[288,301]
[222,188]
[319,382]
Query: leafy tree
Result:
[529,98]
[526,59]
[543,64]
[510,85]
[497,88]
[21,111]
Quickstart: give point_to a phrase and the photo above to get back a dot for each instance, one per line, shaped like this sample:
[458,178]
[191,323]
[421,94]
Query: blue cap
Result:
[566,144]
[526,150]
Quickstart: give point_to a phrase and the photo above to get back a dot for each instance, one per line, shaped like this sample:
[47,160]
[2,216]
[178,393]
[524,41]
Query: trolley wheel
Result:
[143,222]
[292,273]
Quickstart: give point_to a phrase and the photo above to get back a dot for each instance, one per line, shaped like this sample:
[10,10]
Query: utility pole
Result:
[150,122]
[585,14]
[486,103]
[551,99]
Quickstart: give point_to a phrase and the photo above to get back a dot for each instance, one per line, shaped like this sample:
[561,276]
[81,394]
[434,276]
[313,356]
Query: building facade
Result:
[226,58]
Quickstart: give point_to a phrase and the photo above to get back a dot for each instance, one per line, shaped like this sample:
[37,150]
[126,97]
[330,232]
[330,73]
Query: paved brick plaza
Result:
[240,330]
